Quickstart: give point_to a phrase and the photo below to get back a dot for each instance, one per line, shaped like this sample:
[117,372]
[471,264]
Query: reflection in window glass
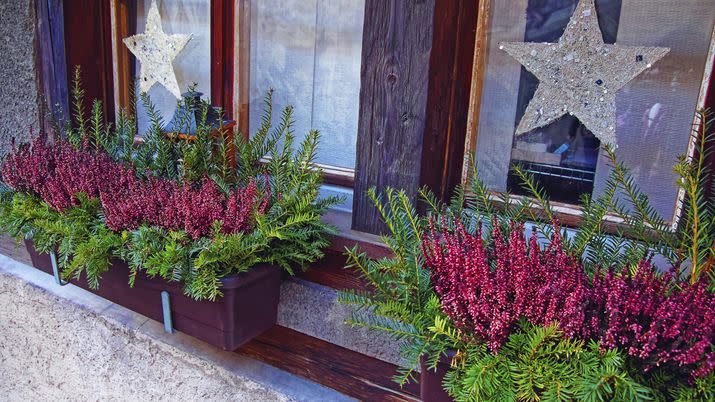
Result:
[193,64]
[309,51]
[654,112]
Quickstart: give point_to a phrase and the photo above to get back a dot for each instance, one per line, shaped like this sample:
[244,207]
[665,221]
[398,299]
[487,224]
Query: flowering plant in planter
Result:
[652,325]
[590,312]
[185,209]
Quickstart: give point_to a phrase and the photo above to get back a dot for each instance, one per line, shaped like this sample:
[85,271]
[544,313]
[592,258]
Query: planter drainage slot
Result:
[166,309]
[55,270]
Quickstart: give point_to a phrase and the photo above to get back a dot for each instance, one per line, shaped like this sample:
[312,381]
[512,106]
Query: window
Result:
[311,56]
[192,65]
[654,111]
[309,52]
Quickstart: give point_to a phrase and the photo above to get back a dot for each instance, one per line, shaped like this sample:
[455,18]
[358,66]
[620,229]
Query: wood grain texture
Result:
[351,373]
[393,98]
[51,61]
[475,97]
[14,250]
[123,25]
[710,105]
[449,88]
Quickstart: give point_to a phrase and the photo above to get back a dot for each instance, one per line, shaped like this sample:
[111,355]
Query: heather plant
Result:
[553,280]
[487,289]
[171,206]
[657,320]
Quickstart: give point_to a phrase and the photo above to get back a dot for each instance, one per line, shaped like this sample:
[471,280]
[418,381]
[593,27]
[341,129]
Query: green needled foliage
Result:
[540,364]
[286,230]
[403,303]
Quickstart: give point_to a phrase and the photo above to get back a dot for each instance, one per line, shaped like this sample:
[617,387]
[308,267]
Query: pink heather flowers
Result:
[57,172]
[656,319]
[524,283]
[487,290]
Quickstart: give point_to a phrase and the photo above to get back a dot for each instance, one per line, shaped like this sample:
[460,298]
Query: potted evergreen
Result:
[209,222]
[490,315]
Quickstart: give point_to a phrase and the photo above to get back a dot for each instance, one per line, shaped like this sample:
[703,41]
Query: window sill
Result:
[330,271]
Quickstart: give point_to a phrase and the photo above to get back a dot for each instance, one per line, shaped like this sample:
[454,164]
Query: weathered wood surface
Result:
[393,98]
[51,62]
[351,373]
[414,97]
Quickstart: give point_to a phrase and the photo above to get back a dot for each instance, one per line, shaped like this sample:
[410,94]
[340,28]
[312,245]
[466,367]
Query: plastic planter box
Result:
[249,305]
[431,381]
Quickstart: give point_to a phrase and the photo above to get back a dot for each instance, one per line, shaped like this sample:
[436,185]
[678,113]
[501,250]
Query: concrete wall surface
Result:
[63,343]
[19,98]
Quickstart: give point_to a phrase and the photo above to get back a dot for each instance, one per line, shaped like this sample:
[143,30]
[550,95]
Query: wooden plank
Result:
[222,64]
[52,64]
[10,248]
[242,65]
[87,36]
[123,24]
[222,15]
[450,75]
[475,96]
[396,51]
[354,374]
[331,272]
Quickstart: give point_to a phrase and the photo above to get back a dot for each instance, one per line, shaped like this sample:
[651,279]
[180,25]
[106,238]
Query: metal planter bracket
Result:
[56,270]
[166,309]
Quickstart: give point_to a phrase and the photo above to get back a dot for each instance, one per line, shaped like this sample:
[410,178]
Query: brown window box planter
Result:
[431,381]
[249,305]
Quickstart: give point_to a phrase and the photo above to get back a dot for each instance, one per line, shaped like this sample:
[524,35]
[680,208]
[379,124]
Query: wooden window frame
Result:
[404,143]
[568,214]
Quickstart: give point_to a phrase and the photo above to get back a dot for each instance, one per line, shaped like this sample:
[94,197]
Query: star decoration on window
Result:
[155,51]
[580,74]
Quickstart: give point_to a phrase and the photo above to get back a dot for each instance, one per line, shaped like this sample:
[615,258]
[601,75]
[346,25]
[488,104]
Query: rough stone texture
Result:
[314,310]
[19,97]
[52,348]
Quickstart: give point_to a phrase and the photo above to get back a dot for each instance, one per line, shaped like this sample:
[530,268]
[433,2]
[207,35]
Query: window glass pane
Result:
[193,64]
[309,51]
[654,111]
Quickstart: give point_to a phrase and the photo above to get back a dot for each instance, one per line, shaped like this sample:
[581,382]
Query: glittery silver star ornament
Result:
[580,74]
[156,50]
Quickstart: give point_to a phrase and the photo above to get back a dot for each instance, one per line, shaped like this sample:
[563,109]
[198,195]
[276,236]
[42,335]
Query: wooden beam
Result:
[414,96]
[51,61]
[475,98]
[222,15]
[88,44]
[352,373]
[449,89]
[394,78]
[242,65]
[123,14]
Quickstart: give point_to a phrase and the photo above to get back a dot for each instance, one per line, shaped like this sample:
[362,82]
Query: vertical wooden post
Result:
[51,61]
[123,24]
[222,55]
[242,68]
[448,96]
[88,44]
[414,95]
